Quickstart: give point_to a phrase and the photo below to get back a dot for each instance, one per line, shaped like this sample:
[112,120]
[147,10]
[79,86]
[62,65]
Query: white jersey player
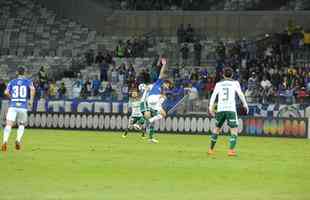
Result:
[225,91]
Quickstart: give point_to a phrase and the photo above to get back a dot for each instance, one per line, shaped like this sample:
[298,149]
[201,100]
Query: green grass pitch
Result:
[90,165]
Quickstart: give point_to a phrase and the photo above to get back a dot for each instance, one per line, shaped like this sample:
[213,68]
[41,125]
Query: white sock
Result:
[6,134]
[20,132]
[155,118]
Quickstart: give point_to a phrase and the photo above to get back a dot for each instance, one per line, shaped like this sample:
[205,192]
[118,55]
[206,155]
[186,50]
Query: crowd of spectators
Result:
[135,47]
[212,5]
[160,4]
[265,68]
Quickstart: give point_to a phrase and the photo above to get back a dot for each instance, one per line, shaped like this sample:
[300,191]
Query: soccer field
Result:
[89,165]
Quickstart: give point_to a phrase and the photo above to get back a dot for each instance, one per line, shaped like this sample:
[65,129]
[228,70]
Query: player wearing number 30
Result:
[18,90]
[226,91]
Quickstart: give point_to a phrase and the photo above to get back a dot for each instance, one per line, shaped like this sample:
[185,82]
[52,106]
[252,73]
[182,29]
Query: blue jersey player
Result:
[19,91]
[154,99]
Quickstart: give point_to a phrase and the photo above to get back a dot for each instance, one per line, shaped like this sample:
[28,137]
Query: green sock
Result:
[213,140]
[151,132]
[232,141]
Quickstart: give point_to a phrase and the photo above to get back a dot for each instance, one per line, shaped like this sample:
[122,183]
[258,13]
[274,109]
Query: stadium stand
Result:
[28,29]
[33,36]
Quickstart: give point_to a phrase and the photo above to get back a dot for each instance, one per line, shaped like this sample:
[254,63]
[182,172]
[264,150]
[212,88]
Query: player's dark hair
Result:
[169,82]
[21,71]
[228,72]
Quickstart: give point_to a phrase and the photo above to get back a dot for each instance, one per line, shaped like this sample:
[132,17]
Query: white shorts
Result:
[19,113]
[155,101]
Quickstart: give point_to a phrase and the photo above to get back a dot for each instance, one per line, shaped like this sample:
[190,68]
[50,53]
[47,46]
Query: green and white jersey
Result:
[226,91]
[135,106]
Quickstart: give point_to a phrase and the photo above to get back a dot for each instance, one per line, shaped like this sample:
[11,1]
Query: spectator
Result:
[114,75]
[209,87]
[99,58]
[131,71]
[252,82]
[52,90]
[266,89]
[42,77]
[120,50]
[181,34]
[144,76]
[86,89]
[302,94]
[95,85]
[77,88]
[197,53]
[39,90]
[2,89]
[195,75]
[184,51]
[62,91]
[104,68]
[89,56]
[108,57]
[193,96]
[190,33]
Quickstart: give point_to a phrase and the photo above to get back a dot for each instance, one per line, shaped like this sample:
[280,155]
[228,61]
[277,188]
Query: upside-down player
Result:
[136,118]
[18,90]
[226,91]
[154,99]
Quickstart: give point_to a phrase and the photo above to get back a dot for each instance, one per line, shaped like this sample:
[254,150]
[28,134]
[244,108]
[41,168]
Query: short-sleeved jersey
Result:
[156,88]
[226,91]
[19,90]
[135,106]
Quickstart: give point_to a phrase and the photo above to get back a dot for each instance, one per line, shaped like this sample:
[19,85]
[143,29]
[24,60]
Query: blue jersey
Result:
[19,90]
[156,89]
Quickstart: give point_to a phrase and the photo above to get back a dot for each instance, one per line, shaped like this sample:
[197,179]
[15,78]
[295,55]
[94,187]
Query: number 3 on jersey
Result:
[19,91]
[225,94]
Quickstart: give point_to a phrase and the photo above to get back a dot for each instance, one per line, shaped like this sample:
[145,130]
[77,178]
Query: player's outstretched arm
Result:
[163,69]
[212,100]
[242,97]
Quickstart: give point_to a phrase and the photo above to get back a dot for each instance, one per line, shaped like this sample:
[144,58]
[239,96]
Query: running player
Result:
[18,90]
[226,91]
[154,97]
[136,118]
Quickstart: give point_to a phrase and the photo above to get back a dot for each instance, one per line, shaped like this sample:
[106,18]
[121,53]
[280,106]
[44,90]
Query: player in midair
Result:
[18,90]
[225,91]
[136,118]
[154,97]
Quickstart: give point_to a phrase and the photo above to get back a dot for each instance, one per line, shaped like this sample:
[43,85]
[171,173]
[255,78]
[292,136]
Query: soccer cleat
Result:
[211,152]
[153,140]
[4,147]
[232,152]
[124,136]
[17,145]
